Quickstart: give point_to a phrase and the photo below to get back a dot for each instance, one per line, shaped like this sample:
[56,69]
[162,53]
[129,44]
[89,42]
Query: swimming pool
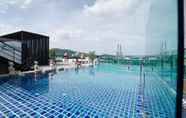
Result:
[103,91]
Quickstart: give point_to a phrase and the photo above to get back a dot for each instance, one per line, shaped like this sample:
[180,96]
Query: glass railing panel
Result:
[161,62]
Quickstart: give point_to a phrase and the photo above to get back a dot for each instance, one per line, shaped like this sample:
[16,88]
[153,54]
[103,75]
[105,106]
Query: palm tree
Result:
[92,56]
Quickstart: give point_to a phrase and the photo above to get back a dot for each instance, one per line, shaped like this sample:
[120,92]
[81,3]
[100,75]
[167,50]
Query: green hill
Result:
[60,52]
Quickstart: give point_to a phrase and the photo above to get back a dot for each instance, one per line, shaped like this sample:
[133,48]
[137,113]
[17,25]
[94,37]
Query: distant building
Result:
[23,48]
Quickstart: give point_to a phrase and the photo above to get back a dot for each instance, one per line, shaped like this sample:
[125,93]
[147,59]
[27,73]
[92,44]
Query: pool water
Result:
[104,91]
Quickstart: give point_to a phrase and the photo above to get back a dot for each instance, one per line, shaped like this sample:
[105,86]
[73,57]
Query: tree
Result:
[52,54]
[92,56]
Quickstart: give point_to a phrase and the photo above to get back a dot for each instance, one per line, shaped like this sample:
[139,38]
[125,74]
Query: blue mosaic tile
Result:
[109,93]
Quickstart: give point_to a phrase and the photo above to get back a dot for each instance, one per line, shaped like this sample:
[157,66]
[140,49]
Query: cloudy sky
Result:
[82,25]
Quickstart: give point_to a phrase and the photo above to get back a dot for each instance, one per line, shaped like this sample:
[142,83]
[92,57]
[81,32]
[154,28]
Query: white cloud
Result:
[5,28]
[112,7]
[26,3]
[98,27]
[6,4]
[3,9]
[104,7]
[100,31]
[63,33]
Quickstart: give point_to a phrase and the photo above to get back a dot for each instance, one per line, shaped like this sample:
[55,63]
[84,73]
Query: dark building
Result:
[23,48]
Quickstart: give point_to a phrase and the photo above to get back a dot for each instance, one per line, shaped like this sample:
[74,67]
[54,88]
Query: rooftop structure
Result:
[23,48]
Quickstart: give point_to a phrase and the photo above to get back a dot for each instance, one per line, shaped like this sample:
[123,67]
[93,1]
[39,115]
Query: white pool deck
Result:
[47,68]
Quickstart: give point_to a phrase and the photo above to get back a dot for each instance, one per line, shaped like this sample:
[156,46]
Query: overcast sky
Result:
[82,25]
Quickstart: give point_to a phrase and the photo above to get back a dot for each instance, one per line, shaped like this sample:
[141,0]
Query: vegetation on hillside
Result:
[56,52]
[52,54]
[92,56]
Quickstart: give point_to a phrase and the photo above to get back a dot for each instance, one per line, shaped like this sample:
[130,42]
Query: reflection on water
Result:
[35,83]
[77,70]
[39,84]
[92,71]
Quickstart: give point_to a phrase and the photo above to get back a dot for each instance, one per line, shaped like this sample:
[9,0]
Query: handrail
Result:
[11,52]
[14,53]
[14,57]
[10,46]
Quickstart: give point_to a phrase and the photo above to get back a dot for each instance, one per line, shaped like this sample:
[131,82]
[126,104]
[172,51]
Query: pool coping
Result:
[43,69]
[26,72]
